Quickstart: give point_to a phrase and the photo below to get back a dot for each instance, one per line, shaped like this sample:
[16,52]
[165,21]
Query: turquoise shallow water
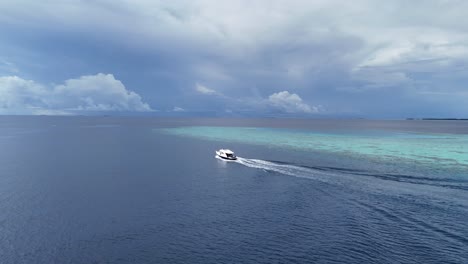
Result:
[441,150]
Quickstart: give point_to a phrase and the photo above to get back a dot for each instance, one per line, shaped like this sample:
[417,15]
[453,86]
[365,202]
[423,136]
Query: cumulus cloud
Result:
[21,96]
[101,92]
[290,103]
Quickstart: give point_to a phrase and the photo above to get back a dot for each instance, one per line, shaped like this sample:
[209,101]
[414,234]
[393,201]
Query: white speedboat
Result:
[226,154]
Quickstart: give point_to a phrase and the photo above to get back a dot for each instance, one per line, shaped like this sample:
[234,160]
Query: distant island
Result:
[431,118]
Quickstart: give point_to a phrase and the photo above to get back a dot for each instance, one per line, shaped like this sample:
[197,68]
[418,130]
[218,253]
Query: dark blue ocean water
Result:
[118,190]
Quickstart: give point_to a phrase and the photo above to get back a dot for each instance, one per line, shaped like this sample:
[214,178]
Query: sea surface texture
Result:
[150,190]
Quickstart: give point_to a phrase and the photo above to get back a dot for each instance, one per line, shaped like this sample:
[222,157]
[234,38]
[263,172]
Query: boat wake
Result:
[345,176]
[284,168]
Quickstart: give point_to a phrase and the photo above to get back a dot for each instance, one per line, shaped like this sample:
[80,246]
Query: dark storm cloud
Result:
[359,58]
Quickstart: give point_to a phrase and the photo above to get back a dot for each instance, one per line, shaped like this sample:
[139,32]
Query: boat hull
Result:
[224,158]
[222,155]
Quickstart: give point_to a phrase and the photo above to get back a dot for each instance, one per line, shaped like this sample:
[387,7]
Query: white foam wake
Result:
[292,170]
[286,169]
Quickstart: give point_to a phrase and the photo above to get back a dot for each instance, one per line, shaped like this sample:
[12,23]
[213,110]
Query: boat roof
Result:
[227,151]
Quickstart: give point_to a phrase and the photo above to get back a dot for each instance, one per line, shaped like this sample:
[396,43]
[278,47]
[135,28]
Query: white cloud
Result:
[21,96]
[204,90]
[290,103]
[178,109]
[101,92]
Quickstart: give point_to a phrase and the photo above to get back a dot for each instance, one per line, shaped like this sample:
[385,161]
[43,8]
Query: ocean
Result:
[149,190]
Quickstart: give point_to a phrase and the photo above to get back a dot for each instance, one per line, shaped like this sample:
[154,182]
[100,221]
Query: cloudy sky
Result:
[377,59]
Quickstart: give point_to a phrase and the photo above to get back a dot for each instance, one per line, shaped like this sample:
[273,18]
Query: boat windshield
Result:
[229,155]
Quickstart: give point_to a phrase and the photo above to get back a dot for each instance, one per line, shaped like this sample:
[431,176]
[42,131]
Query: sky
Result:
[305,58]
